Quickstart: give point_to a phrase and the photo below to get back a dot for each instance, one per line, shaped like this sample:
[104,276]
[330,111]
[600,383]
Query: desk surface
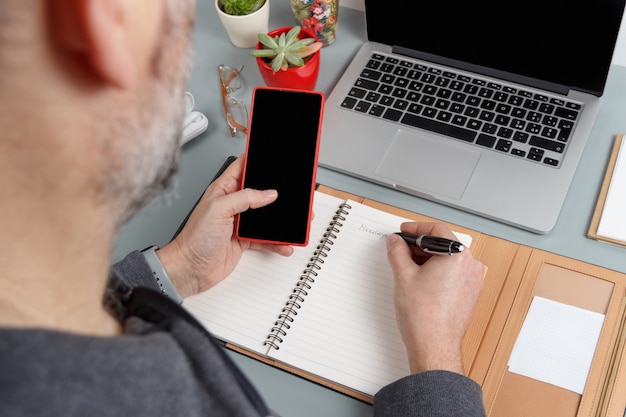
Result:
[201,158]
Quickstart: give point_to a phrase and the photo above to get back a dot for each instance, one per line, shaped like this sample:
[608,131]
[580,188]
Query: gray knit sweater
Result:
[166,364]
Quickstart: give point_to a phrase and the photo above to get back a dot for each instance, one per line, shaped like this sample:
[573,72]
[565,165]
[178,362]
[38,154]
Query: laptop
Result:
[483,106]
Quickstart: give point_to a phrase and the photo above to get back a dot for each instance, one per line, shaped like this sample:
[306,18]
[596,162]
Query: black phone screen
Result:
[281,154]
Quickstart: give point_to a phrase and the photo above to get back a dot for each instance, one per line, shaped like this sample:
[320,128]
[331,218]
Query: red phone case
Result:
[314,167]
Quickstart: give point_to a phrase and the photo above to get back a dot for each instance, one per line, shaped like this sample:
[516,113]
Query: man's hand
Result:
[435,297]
[206,250]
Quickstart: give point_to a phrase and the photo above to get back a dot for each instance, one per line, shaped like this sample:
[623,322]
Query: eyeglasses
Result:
[234,109]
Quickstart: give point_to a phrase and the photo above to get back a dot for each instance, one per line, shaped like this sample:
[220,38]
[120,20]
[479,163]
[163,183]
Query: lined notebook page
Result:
[243,308]
[346,330]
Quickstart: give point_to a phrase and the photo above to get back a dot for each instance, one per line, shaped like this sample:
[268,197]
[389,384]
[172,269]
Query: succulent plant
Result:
[286,50]
[240,7]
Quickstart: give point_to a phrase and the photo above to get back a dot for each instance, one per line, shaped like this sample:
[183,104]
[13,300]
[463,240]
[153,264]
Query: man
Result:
[87,89]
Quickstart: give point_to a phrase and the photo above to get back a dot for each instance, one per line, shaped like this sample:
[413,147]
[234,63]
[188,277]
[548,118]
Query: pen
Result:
[433,244]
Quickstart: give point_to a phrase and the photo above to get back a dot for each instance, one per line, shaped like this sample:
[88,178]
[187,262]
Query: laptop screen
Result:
[569,43]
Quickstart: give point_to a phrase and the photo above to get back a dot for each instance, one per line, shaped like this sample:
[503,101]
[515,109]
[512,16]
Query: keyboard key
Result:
[490,128]
[457,108]
[371,74]
[386,67]
[550,145]
[566,113]
[415,108]
[474,124]
[549,132]
[546,108]
[442,104]
[550,121]
[457,85]
[415,86]
[438,127]
[442,82]
[401,82]
[362,106]
[348,102]
[458,97]
[373,64]
[486,116]
[412,96]
[367,84]
[518,152]
[429,112]
[488,105]
[459,120]
[504,145]
[503,108]
[388,79]
[444,116]
[471,112]
[485,93]
[505,132]
[401,71]
[565,132]
[401,104]
[385,89]
[535,154]
[533,128]
[386,101]
[533,116]
[391,114]
[551,161]
[531,104]
[399,92]
[486,140]
[357,92]
[521,137]
[376,110]
[428,78]
[501,96]
[502,120]
[518,124]
[373,97]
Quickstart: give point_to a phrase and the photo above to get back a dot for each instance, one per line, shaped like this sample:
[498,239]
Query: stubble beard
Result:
[146,165]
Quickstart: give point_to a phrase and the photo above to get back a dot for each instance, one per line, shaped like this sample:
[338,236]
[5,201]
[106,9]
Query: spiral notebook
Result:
[328,308]
[326,313]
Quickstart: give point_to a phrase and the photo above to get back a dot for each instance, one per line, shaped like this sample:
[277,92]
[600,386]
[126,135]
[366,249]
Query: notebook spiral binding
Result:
[302,287]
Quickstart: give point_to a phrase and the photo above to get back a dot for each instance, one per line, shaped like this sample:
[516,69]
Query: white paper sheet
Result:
[612,224]
[556,344]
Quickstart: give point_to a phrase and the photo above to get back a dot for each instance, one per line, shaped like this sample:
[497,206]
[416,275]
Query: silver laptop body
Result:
[502,182]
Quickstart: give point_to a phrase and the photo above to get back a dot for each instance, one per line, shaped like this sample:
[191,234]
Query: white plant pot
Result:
[243,30]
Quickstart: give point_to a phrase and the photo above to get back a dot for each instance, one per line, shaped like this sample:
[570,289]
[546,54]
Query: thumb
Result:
[399,254]
[248,199]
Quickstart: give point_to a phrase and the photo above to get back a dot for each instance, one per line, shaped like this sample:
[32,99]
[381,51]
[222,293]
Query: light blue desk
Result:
[201,158]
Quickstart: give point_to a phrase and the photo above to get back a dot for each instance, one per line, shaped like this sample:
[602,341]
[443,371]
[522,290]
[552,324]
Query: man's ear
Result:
[97,29]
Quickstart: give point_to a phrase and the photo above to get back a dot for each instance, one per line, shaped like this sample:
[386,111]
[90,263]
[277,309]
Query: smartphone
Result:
[281,153]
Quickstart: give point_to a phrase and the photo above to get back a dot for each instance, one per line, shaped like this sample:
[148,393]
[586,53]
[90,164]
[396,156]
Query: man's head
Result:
[91,92]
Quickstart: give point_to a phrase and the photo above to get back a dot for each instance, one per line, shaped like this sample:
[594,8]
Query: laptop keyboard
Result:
[514,121]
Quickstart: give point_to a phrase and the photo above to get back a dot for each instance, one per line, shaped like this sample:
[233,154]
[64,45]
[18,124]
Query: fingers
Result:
[433,229]
[284,250]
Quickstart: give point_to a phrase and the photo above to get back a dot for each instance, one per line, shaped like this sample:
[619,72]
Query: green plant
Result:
[240,7]
[286,50]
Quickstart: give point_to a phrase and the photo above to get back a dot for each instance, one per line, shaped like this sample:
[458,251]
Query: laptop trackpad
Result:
[419,163]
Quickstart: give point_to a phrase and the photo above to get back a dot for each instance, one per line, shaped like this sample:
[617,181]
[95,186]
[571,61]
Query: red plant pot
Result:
[299,78]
